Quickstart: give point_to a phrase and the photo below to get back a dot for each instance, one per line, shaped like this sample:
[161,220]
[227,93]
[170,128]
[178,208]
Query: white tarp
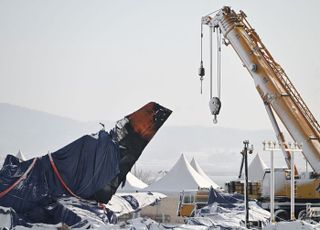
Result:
[229,217]
[92,216]
[197,167]
[132,184]
[120,206]
[181,177]
[292,225]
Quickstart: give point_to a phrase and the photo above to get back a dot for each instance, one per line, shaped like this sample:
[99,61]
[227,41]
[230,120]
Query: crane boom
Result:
[275,88]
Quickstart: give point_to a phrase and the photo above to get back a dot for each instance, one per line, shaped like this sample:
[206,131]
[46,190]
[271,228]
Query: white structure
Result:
[21,156]
[132,184]
[256,169]
[197,167]
[121,206]
[181,177]
[159,175]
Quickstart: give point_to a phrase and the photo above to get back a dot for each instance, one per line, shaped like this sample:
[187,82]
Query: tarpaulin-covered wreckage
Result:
[90,168]
[227,211]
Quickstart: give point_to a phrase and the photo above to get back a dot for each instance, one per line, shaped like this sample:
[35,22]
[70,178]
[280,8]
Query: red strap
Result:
[66,186]
[102,206]
[60,178]
[24,176]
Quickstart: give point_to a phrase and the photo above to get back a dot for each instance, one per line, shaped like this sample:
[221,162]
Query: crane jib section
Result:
[272,83]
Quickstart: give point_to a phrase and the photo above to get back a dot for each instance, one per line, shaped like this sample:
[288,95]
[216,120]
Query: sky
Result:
[101,59]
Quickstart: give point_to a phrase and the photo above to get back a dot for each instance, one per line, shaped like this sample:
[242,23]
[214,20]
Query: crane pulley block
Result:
[215,105]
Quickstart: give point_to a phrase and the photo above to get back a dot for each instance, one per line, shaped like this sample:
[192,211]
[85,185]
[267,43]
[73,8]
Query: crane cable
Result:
[211,60]
[219,63]
[214,102]
[201,72]
[201,69]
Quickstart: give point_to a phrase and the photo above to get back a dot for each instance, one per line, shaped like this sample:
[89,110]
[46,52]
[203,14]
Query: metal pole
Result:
[292,187]
[246,187]
[271,146]
[245,201]
[272,188]
[246,192]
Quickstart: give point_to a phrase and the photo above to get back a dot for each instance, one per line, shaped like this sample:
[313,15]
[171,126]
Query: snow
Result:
[181,177]
[199,170]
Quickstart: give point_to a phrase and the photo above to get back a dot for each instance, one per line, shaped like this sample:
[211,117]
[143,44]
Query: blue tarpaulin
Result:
[84,173]
[91,167]
[224,199]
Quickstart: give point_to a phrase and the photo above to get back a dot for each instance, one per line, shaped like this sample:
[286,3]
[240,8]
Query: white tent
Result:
[159,175]
[181,177]
[256,169]
[197,167]
[21,156]
[132,184]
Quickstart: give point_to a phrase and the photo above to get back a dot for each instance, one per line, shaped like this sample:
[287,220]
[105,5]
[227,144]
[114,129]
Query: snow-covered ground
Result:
[294,225]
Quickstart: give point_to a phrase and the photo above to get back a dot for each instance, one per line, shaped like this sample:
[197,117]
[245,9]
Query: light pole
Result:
[244,153]
[292,147]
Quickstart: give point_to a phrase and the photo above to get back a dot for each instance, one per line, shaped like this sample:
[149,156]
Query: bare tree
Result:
[145,175]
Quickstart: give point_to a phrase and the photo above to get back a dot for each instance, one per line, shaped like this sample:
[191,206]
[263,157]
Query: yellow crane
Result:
[278,94]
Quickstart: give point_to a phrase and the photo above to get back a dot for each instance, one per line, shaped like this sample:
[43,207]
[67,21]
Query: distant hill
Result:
[35,133]
[216,149]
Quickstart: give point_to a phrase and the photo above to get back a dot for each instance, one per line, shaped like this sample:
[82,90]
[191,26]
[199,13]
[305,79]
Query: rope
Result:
[24,176]
[60,178]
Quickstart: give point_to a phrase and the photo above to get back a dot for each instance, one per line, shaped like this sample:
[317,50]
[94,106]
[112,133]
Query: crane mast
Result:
[275,88]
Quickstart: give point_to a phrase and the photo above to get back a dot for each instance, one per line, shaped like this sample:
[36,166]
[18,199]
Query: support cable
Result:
[219,63]
[201,69]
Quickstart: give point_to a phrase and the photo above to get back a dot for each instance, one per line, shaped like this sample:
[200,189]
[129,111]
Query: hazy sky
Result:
[93,60]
